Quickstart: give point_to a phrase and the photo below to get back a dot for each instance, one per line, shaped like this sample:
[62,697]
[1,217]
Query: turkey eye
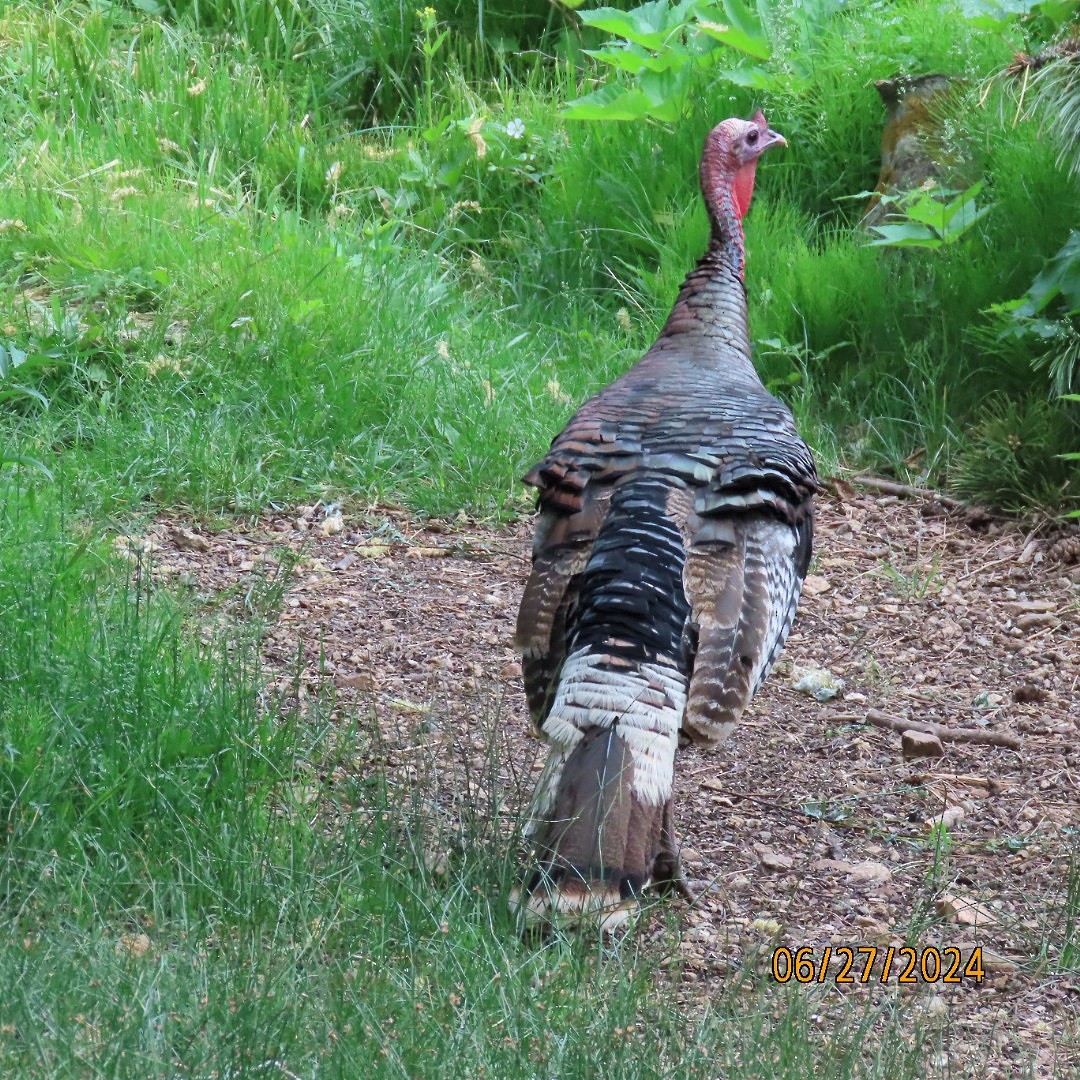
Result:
[751,136]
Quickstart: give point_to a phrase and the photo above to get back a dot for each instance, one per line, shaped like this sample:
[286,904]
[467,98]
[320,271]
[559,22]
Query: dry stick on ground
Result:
[891,487]
[954,734]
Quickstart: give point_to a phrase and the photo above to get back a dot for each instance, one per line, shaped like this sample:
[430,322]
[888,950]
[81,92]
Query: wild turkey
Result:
[674,534]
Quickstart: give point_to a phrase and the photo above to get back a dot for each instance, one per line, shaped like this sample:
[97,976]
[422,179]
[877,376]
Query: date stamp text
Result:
[875,963]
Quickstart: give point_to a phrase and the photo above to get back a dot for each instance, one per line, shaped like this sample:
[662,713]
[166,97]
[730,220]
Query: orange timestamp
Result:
[857,965]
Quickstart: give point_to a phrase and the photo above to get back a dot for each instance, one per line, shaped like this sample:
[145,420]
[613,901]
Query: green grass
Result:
[259,252]
[167,172]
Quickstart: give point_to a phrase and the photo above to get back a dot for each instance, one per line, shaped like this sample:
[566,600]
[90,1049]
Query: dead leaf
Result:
[963,911]
[937,1006]
[871,871]
[840,865]
[949,818]
[867,870]
[1033,621]
[844,491]
[186,540]
[133,944]
[1028,607]
[407,706]
[994,961]
[373,551]
[773,860]
[361,681]
[1029,693]
[135,547]
[767,928]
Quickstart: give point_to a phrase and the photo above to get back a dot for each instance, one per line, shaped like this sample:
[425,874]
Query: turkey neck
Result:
[711,305]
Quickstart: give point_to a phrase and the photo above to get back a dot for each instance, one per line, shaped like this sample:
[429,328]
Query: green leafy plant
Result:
[940,869]
[1048,316]
[13,359]
[431,40]
[920,582]
[661,46]
[934,217]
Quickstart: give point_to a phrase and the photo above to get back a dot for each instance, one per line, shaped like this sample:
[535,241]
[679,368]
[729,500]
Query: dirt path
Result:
[807,829]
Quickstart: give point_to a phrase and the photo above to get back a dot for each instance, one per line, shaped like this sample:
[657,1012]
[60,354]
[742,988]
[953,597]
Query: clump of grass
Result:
[1013,456]
[118,731]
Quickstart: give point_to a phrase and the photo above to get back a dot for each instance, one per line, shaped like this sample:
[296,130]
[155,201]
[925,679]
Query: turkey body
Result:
[674,533]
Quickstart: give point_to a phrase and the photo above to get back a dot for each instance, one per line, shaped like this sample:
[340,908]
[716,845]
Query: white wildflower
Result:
[516,128]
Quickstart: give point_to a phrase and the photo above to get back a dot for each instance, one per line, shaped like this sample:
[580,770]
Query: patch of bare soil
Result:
[809,829]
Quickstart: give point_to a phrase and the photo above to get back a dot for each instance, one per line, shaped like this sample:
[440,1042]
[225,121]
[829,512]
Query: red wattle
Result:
[743,187]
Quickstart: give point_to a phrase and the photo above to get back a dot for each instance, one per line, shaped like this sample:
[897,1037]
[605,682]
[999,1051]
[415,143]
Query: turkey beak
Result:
[772,138]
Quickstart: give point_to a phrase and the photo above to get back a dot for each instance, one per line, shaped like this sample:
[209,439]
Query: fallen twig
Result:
[952,734]
[892,487]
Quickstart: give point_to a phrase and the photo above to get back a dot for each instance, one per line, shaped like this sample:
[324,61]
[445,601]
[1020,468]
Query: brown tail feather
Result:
[600,847]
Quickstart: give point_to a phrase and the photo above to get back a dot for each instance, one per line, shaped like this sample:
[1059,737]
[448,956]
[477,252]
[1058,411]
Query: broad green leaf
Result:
[757,78]
[1060,277]
[26,463]
[905,235]
[736,39]
[20,393]
[736,25]
[626,58]
[611,102]
[437,130]
[992,13]
[926,210]
[649,25]
[967,215]
[664,89]
[11,357]
[957,200]
[634,59]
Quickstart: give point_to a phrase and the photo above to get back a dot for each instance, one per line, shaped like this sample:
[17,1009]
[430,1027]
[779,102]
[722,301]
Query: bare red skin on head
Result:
[742,187]
[728,171]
